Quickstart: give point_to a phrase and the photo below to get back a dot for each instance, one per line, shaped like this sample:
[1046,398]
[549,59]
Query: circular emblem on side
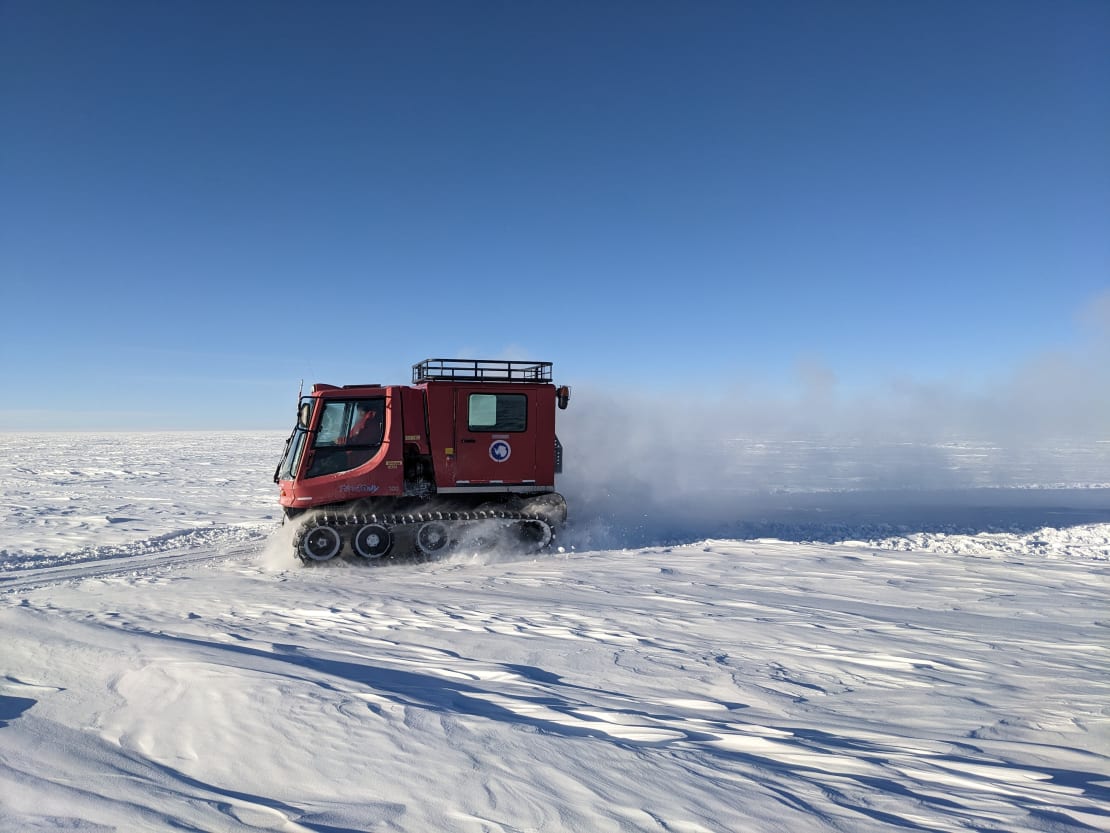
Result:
[499,451]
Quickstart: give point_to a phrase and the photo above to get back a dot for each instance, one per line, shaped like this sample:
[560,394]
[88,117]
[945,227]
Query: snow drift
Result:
[929,660]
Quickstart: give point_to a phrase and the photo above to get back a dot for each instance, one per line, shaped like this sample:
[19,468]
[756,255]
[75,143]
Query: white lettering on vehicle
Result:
[361,488]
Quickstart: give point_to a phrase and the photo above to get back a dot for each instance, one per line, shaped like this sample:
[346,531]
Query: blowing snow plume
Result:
[820,463]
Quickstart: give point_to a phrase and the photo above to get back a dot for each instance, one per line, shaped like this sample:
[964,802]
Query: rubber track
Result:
[395,520]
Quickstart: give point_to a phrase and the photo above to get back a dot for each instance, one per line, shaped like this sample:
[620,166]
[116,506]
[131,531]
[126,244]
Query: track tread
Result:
[402,522]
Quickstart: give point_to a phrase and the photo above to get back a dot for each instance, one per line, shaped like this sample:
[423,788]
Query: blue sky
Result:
[203,203]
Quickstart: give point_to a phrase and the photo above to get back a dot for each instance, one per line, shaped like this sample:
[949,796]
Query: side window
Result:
[353,422]
[483,412]
[332,423]
[367,422]
[498,412]
[350,435]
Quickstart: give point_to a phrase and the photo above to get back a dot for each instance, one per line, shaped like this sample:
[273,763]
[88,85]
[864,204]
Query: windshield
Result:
[350,433]
[294,446]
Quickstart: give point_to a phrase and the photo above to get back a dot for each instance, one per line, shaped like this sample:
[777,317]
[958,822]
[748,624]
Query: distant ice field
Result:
[75,496]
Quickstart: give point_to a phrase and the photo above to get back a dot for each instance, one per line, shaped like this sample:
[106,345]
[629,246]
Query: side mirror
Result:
[304,414]
[562,397]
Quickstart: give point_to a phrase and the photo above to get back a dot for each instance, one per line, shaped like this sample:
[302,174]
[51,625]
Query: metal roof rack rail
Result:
[480,370]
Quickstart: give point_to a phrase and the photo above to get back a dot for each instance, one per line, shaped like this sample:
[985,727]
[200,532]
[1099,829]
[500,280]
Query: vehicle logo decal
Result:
[499,451]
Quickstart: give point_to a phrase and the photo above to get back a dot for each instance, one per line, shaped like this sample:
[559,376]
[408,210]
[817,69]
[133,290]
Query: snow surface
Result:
[799,657]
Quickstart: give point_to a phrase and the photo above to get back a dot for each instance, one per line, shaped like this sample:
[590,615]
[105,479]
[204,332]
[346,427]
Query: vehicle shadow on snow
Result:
[798,755]
[828,517]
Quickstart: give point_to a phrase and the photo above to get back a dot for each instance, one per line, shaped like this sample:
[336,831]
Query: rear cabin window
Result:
[498,412]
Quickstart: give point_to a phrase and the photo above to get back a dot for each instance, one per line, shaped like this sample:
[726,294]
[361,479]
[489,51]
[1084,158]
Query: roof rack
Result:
[480,370]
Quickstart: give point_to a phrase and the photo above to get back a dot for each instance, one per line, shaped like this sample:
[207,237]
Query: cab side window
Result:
[350,434]
[333,423]
[498,412]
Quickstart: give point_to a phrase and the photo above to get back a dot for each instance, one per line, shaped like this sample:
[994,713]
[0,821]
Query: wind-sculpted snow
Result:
[68,494]
[939,675]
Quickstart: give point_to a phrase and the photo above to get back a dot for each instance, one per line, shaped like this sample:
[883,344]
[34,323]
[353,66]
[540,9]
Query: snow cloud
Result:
[667,453]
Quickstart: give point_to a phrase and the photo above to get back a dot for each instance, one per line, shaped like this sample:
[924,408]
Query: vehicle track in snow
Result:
[152,555]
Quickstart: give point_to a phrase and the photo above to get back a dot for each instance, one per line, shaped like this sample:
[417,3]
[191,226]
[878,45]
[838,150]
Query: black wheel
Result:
[432,538]
[551,506]
[535,535]
[372,541]
[320,543]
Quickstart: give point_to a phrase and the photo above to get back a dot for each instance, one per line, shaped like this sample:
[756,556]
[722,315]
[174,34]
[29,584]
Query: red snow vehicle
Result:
[466,454]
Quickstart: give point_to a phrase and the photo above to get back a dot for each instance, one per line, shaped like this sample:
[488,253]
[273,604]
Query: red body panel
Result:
[427,426]
[468,460]
[415,420]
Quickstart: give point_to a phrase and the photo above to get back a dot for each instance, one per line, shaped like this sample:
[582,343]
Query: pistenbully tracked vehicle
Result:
[465,455]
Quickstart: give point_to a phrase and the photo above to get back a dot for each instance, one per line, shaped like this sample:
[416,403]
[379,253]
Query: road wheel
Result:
[372,541]
[432,538]
[320,543]
[534,534]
